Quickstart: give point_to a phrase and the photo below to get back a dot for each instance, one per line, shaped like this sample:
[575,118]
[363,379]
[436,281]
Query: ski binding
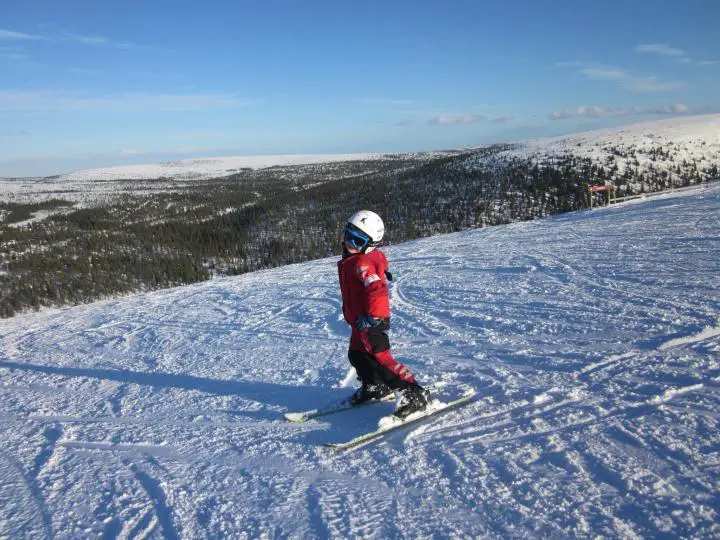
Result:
[391,423]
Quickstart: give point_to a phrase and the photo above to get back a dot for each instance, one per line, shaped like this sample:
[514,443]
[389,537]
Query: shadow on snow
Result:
[290,397]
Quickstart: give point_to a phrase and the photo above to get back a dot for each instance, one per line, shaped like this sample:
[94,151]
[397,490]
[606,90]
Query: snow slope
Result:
[593,340]
[92,187]
[213,167]
[692,139]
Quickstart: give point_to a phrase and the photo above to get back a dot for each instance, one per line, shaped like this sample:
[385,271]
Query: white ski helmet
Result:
[367,223]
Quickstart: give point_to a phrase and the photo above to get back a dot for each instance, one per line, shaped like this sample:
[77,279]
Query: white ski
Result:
[332,408]
[391,423]
[340,405]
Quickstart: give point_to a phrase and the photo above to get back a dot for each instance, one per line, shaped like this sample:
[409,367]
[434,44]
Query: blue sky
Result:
[86,83]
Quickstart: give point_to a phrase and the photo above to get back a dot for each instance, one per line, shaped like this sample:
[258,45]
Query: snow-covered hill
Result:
[213,167]
[683,148]
[94,187]
[593,340]
[694,138]
[662,145]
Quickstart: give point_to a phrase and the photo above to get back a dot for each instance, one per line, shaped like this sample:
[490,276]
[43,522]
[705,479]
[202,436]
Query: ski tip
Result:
[296,418]
[334,446]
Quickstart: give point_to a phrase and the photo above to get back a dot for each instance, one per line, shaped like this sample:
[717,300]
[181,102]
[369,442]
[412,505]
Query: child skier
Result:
[363,273]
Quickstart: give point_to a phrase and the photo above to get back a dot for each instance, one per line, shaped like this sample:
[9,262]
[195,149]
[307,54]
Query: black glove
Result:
[366,321]
[388,275]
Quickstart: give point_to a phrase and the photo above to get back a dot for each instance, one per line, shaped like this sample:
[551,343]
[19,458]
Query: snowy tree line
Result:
[281,215]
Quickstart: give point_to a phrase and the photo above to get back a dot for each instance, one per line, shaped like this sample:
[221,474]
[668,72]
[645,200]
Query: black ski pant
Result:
[370,355]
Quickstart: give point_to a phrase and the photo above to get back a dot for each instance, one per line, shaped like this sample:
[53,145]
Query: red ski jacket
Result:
[364,286]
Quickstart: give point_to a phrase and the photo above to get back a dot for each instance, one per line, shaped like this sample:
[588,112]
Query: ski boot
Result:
[414,398]
[370,392]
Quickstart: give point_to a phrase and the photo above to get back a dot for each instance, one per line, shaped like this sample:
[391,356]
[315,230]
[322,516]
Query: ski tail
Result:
[333,407]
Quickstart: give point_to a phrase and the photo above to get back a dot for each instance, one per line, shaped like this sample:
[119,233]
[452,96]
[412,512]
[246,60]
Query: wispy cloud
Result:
[653,84]
[95,41]
[11,35]
[44,101]
[659,48]
[386,102]
[664,49]
[501,120]
[635,83]
[129,152]
[86,40]
[14,56]
[605,73]
[603,112]
[98,41]
[456,119]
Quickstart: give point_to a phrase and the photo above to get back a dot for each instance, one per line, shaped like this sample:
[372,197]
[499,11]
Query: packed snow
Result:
[592,340]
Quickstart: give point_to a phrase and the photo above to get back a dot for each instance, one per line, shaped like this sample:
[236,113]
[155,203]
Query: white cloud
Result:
[604,73]
[128,46]
[501,119]
[386,102]
[129,152]
[64,101]
[87,40]
[456,119]
[17,36]
[95,41]
[679,108]
[659,48]
[636,83]
[187,149]
[15,57]
[666,50]
[652,84]
[602,112]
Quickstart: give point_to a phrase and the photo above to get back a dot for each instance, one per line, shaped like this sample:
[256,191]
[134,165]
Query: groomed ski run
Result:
[592,338]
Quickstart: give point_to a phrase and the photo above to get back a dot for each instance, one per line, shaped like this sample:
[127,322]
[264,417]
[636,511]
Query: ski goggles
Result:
[354,237]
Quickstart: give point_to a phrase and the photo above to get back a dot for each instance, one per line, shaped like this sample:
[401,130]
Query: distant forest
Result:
[280,215]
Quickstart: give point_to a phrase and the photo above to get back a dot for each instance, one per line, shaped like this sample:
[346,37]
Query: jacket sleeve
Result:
[377,302]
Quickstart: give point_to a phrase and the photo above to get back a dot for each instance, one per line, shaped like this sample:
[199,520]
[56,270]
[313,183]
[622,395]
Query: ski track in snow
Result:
[592,339]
